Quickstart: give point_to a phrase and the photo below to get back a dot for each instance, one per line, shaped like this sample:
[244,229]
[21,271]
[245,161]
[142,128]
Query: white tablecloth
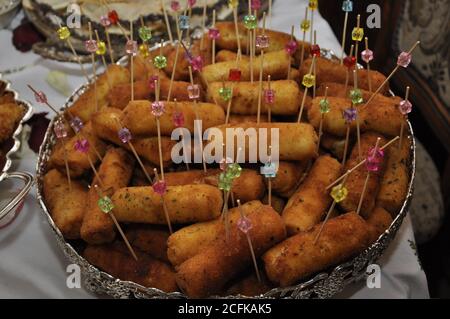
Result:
[31,264]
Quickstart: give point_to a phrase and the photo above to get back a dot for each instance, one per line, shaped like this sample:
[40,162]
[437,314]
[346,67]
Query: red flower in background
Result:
[25,35]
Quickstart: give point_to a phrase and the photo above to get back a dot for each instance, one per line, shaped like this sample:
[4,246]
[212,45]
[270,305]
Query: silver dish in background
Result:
[322,285]
[5,174]
[8,10]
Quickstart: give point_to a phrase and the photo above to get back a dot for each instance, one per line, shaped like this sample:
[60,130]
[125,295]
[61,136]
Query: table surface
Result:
[33,266]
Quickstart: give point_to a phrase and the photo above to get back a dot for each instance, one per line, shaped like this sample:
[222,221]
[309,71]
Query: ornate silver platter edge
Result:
[27,178]
[322,285]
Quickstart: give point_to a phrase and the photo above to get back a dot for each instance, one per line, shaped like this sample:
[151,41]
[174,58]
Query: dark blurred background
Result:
[402,23]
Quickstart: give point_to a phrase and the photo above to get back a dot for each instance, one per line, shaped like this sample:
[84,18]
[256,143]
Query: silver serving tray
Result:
[322,285]
[5,174]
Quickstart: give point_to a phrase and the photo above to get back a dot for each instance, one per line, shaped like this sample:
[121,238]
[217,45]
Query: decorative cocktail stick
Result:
[105,22]
[131,50]
[367,56]
[226,178]
[357,36]
[82,146]
[213,34]
[312,5]
[308,81]
[290,48]
[233,4]
[338,193]
[324,108]
[405,107]
[373,161]
[251,23]
[270,13]
[91,46]
[347,6]
[106,205]
[304,26]
[101,51]
[195,88]
[361,163]
[177,52]
[244,225]
[114,18]
[202,40]
[75,122]
[269,170]
[64,35]
[269,99]
[160,188]
[125,137]
[166,19]
[349,62]
[357,99]
[314,67]
[403,60]
[158,109]
[61,133]
[178,122]
[260,87]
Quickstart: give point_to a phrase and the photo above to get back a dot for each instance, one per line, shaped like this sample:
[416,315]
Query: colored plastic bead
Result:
[405,107]
[244,224]
[131,47]
[262,41]
[183,22]
[193,91]
[196,63]
[367,55]
[178,119]
[374,159]
[250,22]
[291,47]
[339,193]
[124,135]
[151,82]
[145,33]
[214,33]
[82,146]
[63,33]
[225,93]
[305,25]
[160,61]
[315,50]
[105,204]
[60,129]
[224,163]
[255,4]
[91,46]
[104,21]
[191,3]
[175,5]
[356,96]
[233,4]
[160,187]
[357,34]
[347,6]
[269,96]
[234,75]
[143,50]
[234,170]
[324,106]
[269,170]
[349,61]
[312,4]
[158,108]
[308,80]
[101,48]
[77,124]
[404,59]
[224,182]
[113,17]
[349,115]
[40,97]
